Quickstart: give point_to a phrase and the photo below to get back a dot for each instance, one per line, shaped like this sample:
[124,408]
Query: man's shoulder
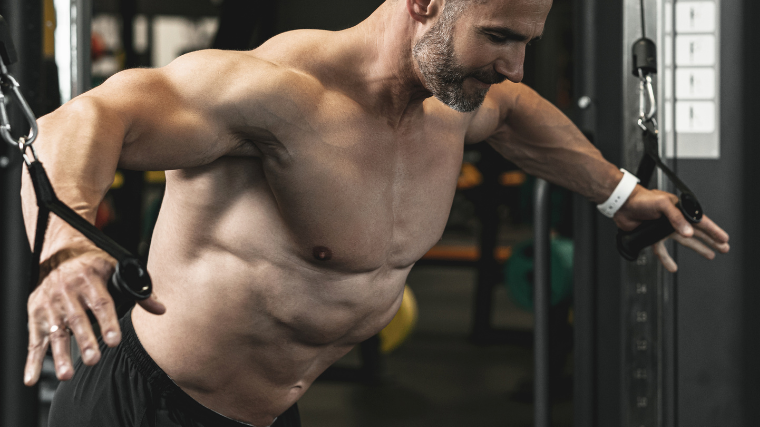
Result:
[237,67]
[242,79]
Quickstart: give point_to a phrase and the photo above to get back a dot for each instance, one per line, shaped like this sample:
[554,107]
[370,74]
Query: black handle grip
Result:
[630,243]
[130,282]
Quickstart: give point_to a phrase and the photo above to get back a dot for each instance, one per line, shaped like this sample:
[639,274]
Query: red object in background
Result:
[98,47]
[105,215]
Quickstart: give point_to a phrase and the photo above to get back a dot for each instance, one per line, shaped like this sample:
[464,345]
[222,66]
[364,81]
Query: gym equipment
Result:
[130,280]
[542,298]
[18,403]
[653,348]
[402,325]
[649,232]
[519,272]
[630,243]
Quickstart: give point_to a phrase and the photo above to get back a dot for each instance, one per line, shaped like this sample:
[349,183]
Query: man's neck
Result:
[392,78]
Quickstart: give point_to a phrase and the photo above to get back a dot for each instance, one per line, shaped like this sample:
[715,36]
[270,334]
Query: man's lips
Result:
[480,82]
[488,77]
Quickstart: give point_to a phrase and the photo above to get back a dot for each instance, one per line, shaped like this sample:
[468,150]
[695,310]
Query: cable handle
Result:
[631,243]
[130,280]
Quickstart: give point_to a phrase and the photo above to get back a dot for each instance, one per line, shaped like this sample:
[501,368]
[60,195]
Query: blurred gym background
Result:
[460,351]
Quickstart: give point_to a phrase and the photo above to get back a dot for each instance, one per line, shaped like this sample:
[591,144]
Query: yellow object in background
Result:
[402,324]
[155,177]
[48,22]
[118,181]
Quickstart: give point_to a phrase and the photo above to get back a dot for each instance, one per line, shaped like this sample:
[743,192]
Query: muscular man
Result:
[305,179]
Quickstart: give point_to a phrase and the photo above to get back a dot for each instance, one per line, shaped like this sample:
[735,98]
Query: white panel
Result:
[668,113]
[668,51]
[668,83]
[695,17]
[174,36]
[63,48]
[668,17]
[695,50]
[141,28]
[695,117]
[695,83]
[108,28]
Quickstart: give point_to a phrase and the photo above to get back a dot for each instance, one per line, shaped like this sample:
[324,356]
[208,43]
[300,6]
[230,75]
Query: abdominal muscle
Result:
[248,328]
[247,342]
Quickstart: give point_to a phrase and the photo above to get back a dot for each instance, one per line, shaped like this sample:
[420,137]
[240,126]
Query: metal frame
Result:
[18,405]
[80,23]
[705,317]
[541,303]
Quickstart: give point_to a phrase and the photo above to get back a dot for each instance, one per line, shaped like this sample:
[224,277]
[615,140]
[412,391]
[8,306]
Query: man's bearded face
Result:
[444,76]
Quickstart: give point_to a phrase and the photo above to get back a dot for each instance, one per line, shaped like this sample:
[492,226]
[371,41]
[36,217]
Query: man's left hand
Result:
[704,238]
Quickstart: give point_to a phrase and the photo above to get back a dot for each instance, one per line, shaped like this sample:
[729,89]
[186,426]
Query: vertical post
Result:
[541,302]
[128,9]
[18,406]
[584,224]
[641,282]
[81,29]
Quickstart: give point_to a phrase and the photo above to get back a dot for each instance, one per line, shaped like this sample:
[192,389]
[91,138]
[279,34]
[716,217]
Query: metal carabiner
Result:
[8,82]
[22,146]
[646,93]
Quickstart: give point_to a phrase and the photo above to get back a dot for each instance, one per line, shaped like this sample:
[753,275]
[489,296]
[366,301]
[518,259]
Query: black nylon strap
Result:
[651,159]
[48,202]
[43,216]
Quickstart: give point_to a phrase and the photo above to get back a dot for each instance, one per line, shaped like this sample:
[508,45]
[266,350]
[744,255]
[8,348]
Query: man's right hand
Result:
[58,308]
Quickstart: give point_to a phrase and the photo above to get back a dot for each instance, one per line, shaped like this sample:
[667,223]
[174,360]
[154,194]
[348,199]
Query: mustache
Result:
[490,77]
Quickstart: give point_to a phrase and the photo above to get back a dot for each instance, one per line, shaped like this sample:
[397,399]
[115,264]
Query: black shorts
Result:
[127,388]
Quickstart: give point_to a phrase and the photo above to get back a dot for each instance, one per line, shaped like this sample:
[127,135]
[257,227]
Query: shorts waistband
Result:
[161,382]
[141,359]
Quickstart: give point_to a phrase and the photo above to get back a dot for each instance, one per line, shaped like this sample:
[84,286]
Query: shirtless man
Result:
[305,179]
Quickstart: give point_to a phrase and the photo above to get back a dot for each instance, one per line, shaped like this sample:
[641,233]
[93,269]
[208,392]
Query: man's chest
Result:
[358,192]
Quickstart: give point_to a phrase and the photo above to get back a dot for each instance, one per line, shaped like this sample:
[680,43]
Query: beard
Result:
[444,76]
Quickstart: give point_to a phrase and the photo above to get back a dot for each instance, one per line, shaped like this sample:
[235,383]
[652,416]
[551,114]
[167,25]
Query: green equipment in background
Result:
[518,272]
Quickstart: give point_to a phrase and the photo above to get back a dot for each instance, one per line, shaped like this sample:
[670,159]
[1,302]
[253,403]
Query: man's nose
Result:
[511,64]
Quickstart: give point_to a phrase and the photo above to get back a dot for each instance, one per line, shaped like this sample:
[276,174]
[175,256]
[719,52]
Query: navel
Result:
[322,253]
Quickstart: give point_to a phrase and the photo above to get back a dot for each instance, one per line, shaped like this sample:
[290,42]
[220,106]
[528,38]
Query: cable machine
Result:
[654,348]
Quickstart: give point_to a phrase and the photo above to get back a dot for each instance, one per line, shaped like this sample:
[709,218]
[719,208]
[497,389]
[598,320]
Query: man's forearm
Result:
[540,139]
[79,145]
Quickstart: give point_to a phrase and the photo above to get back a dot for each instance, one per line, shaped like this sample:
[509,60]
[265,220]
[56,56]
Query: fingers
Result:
[695,245]
[716,233]
[720,247]
[100,303]
[38,344]
[58,307]
[60,344]
[153,305]
[676,218]
[665,258]
[77,321]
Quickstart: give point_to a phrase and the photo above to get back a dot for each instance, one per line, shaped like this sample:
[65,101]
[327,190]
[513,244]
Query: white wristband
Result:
[620,195]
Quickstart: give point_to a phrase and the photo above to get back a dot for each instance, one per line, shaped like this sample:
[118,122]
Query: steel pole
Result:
[19,404]
[81,67]
[541,302]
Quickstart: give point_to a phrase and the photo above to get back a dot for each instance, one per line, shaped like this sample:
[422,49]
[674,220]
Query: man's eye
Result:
[496,39]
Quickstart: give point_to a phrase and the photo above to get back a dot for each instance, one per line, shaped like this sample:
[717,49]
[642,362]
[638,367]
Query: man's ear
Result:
[423,10]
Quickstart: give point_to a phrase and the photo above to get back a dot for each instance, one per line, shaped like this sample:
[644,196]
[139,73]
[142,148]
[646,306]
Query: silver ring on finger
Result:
[56,328]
